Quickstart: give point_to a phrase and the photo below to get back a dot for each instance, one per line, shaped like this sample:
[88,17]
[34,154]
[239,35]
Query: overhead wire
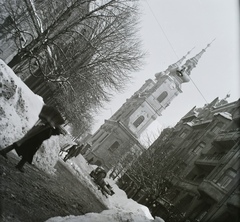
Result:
[172,47]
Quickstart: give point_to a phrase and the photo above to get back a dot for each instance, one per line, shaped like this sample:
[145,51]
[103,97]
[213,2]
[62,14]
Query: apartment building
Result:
[203,154]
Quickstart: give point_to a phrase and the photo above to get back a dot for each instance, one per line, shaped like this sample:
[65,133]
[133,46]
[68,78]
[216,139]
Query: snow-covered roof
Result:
[224,114]
[189,123]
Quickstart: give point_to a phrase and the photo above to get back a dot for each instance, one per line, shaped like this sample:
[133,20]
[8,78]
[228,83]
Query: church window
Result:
[114,146]
[162,96]
[138,121]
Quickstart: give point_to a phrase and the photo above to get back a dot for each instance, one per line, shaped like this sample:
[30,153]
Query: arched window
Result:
[114,146]
[162,96]
[138,121]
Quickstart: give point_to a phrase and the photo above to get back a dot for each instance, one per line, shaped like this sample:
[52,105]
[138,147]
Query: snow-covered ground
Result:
[19,110]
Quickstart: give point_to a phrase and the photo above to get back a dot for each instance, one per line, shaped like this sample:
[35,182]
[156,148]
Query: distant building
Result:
[203,154]
[119,135]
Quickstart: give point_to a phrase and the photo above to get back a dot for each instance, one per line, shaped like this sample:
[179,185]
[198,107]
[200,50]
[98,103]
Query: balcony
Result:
[227,138]
[186,184]
[209,159]
[201,124]
[211,190]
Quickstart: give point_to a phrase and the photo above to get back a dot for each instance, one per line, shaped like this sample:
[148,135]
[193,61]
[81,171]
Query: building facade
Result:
[203,154]
[120,134]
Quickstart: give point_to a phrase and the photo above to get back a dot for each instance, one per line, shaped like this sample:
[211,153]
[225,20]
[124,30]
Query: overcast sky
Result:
[171,28]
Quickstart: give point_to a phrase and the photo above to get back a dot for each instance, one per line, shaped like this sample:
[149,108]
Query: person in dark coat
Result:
[70,152]
[78,150]
[31,142]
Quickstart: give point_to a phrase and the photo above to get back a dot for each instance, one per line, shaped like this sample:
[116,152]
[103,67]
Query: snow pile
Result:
[48,154]
[225,115]
[19,106]
[106,215]
[19,111]
[120,201]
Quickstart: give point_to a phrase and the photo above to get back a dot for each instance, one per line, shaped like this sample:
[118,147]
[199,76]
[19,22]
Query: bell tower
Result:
[121,132]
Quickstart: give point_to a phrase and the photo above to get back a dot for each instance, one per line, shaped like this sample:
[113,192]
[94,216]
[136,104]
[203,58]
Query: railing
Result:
[209,158]
[186,184]
[229,135]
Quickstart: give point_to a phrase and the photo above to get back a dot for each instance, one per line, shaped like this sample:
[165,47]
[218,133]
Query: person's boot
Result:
[4,151]
[20,165]
[19,168]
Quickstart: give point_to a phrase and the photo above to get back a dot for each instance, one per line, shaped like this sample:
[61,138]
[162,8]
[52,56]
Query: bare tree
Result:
[85,48]
[150,171]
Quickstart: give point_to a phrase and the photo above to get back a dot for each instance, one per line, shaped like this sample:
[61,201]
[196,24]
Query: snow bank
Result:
[106,215]
[19,112]
[121,201]
[19,106]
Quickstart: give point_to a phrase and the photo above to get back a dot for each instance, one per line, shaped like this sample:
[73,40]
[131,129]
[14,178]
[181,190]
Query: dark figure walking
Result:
[70,152]
[30,143]
[78,150]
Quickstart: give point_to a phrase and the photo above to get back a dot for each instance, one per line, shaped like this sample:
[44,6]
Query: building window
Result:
[227,178]
[217,127]
[183,134]
[138,121]
[199,147]
[114,146]
[162,96]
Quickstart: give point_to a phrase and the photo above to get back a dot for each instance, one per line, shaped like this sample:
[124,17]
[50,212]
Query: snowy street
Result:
[37,196]
[51,188]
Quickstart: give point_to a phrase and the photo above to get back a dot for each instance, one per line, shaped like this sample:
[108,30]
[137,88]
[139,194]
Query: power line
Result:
[162,29]
[198,90]
[172,47]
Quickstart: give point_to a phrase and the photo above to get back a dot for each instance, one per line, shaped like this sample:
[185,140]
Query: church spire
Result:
[191,63]
[172,66]
[179,62]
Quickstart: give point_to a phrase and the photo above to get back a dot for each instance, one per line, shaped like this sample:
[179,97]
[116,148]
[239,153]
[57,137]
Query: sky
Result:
[169,29]
[20,110]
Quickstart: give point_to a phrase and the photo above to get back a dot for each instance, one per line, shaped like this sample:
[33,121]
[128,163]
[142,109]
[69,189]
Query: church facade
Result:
[117,140]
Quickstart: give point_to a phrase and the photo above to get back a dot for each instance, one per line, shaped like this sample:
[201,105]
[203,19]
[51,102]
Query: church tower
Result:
[119,135]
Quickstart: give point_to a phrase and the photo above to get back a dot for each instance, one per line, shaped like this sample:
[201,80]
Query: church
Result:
[116,142]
